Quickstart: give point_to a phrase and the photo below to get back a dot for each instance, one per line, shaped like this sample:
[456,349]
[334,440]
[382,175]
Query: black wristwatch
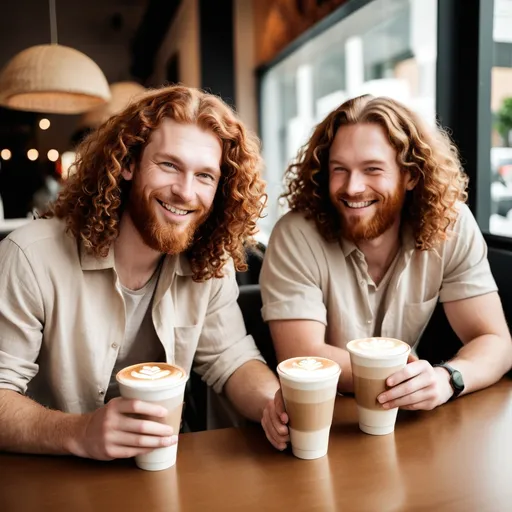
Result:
[456,380]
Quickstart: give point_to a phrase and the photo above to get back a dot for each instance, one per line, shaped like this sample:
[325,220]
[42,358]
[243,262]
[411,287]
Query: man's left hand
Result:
[274,422]
[417,386]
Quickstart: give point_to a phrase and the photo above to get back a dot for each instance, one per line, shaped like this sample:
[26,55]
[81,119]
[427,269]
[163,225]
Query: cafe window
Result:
[500,222]
[387,47]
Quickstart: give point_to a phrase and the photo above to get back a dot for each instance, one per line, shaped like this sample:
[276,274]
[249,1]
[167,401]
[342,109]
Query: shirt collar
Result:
[347,247]
[175,264]
[180,264]
[90,261]
[408,242]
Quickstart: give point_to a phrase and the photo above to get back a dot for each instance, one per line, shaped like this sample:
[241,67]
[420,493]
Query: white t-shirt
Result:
[141,343]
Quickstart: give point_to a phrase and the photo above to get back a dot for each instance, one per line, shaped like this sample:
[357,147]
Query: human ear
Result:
[127,173]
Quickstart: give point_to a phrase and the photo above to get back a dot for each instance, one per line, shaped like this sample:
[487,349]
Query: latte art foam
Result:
[309,364]
[307,367]
[378,347]
[151,375]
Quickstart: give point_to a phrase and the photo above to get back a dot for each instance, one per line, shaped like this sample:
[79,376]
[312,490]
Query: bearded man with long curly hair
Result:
[134,262]
[378,233]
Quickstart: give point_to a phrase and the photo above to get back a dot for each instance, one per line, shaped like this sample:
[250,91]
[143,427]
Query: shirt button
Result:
[368,321]
[101,392]
[115,345]
[362,283]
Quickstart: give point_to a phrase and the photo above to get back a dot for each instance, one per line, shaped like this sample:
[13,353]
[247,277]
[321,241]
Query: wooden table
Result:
[455,458]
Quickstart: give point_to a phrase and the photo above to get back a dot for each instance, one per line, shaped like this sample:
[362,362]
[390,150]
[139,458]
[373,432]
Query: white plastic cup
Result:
[169,394]
[372,364]
[309,396]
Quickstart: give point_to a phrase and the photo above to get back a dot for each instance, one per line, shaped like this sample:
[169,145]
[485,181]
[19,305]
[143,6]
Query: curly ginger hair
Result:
[95,195]
[429,155]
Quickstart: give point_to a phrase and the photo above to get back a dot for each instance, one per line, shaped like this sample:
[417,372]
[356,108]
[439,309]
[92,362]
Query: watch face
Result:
[458,382]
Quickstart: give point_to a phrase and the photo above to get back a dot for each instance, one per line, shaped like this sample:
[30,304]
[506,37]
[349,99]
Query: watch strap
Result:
[456,389]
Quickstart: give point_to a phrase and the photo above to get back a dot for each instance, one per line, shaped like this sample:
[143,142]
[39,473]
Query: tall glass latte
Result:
[373,361]
[309,386]
[164,384]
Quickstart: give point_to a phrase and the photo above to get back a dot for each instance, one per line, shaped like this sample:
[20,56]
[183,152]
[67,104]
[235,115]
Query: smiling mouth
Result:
[173,209]
[358,205]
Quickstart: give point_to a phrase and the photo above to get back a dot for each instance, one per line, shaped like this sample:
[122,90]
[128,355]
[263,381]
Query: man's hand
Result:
[417,386]
[274,422]
[116,431]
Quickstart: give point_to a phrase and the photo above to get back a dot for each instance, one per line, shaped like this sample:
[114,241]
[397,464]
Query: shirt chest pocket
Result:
[186,340]
[415,319]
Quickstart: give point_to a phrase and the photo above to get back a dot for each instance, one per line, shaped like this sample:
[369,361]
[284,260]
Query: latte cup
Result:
[309,387]
[160,383]
[373,360]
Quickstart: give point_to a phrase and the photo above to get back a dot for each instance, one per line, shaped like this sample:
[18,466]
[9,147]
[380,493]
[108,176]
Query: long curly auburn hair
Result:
[429,155]
[94,196]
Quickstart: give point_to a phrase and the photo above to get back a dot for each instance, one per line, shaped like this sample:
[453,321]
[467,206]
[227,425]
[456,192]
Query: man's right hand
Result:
[112,432]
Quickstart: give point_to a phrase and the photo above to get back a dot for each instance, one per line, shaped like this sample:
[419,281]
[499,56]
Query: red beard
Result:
[387,211]
[166,237]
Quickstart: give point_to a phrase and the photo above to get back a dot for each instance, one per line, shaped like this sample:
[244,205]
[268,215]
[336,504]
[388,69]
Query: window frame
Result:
[463,94]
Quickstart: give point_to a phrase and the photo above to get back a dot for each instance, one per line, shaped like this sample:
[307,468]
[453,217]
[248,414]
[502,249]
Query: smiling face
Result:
[174,185]
[366,185]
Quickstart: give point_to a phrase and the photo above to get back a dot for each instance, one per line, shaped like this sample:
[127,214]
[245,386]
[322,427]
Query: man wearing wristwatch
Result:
[456,380]
[377,235]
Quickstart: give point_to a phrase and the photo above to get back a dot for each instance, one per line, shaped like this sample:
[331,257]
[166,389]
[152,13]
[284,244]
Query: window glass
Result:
[387,48]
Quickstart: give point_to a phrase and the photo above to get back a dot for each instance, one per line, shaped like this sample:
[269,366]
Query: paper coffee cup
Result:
[373,360]
[309,386]
[160,383]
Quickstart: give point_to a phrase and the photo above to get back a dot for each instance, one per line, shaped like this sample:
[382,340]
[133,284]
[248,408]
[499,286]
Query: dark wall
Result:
[439,342]
[217,50]
[20,178]
[501,266]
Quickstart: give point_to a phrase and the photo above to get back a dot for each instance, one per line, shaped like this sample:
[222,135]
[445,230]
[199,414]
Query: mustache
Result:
[177,204]
[340,196]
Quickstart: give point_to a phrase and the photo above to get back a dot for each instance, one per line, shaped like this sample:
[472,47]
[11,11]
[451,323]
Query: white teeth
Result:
[359,205]
[172,209]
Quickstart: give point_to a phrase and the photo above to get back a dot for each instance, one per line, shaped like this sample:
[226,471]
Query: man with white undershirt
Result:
[377,234]
[134,262]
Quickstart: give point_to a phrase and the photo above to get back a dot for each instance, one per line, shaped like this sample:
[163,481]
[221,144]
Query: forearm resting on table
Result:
[250,388]
[480,324]
[296,338]
[28,427]
[483,361]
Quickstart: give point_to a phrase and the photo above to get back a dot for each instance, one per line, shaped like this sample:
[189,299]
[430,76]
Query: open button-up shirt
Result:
[62,319]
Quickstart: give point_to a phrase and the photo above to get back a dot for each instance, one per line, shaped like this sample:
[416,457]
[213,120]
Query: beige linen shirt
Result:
[304,277]
[62,319]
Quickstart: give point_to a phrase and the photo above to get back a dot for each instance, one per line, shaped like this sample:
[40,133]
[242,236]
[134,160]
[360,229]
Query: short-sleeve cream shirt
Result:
[305,277]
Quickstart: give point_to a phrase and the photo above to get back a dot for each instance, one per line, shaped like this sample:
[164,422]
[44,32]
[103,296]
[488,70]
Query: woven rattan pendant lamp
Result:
[123,93]
[53,78]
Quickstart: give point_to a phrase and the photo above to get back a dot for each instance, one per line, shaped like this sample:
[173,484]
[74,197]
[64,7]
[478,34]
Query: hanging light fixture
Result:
[53,78]
[123,93]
